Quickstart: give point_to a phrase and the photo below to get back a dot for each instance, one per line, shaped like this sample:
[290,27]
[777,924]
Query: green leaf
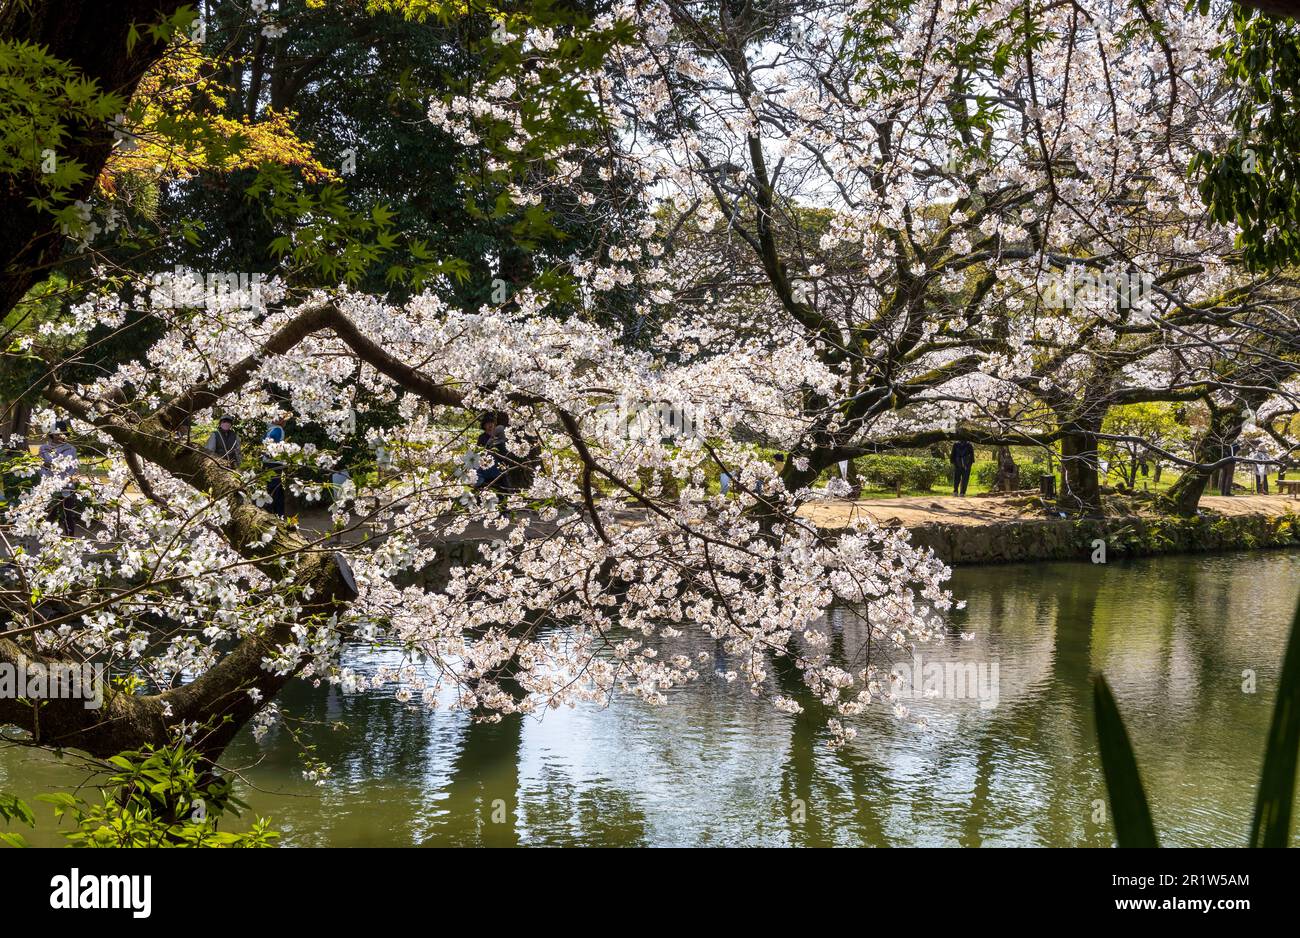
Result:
[13,808]
[58,798]
[1128,800]
[1272,824]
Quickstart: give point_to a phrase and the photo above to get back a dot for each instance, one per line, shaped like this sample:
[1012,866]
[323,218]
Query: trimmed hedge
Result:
[908,473]
[986,470]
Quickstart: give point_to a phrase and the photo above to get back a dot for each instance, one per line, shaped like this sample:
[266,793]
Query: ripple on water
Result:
[718,766]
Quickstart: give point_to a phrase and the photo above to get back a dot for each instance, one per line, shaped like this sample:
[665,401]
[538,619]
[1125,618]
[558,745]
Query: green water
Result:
[716,766]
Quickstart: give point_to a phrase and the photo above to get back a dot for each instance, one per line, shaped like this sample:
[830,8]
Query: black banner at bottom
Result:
[291,885]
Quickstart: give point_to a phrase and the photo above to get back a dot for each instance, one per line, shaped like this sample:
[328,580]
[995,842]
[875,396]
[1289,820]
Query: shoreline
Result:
[1002,529]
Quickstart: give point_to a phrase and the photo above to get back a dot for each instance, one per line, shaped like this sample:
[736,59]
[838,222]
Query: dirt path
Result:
[985,509]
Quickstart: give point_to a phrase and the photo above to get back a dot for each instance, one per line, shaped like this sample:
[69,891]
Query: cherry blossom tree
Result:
[851,226]
[207,604]
[914,222]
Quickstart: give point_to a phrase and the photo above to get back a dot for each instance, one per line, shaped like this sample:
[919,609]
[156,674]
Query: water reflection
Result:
[719,766]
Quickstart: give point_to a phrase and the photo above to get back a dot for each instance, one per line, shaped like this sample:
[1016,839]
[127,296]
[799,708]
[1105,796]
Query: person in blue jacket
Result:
[275,485]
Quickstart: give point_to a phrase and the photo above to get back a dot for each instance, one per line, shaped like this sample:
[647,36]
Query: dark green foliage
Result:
[152,798]
[908,473]
[985,471]
[15,809]
[409,204]
[1253,179]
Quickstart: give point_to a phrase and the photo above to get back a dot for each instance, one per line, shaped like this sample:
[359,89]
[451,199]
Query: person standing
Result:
[275,432]
[340,487]
[778,467]
[383,461]
[223,444]
[1261,466]
[491,443]
[59,461]
[1228,470]
[275,485]
[962,458]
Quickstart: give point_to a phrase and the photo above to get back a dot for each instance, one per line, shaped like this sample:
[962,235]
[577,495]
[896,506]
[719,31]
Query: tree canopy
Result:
[657,241]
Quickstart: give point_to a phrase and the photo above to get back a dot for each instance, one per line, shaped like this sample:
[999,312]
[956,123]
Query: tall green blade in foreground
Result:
[1272,826]
[1128,800]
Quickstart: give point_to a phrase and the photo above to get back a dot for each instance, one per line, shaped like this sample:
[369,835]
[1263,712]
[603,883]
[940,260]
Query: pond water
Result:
[1173,635]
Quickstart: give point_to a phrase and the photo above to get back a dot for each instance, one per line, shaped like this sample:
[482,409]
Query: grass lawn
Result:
[944,487]
[1243,480]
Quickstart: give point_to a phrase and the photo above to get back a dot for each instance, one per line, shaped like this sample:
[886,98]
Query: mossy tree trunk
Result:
[1080,487]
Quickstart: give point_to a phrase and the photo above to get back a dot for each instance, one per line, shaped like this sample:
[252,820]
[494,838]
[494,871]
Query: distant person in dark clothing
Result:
[224,443]
[491,442]
[489,427]
[962,458]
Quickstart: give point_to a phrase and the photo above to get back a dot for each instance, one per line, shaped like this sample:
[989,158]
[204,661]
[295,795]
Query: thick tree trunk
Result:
[218,699]
[17,418]
[854,480]
[1080,487]
[1185,494]
[1008,474]
[1214,445]
[794,479]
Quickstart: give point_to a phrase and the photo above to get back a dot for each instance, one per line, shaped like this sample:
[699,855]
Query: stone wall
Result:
[1136,536]
[1027,539]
